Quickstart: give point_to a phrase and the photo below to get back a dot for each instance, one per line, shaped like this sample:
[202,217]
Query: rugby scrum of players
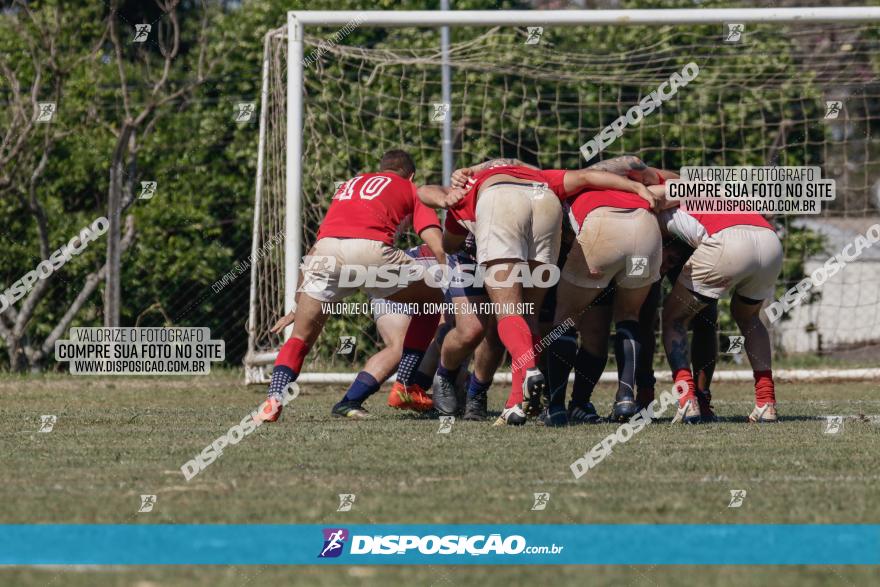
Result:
[506,221]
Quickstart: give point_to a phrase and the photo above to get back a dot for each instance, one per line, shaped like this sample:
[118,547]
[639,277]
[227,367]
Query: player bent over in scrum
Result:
[515,214]
[619,241]
[704,329]
[738,253]
[468,329]
[358,230]
[589,357]
[392,321]
[592,356]
[465,333]
[565,354]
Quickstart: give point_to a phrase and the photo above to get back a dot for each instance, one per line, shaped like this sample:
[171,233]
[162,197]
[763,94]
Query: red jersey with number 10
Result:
[372,206]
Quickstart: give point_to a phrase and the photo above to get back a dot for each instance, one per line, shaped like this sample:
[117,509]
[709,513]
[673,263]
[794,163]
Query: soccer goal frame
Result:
[298,21]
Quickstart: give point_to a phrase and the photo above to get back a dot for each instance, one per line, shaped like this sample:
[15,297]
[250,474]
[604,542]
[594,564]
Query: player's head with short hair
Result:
[398,161]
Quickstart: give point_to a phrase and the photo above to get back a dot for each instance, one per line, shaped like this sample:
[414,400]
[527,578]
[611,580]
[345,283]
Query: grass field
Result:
[116,439]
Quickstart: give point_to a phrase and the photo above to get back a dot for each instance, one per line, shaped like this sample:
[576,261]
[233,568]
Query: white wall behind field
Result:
[848,312]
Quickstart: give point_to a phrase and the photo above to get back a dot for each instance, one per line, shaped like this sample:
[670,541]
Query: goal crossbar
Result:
[297,20]
[434,18]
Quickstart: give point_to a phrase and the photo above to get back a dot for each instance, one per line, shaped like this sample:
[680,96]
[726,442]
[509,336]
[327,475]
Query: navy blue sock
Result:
[448,374]
[476,386]
[281,377]
[626,349]
[423,380]
[589,370]
[363,387]
[560,358]
[409,364]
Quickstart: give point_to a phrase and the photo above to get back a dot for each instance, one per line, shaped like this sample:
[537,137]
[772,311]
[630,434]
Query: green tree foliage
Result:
[508,100]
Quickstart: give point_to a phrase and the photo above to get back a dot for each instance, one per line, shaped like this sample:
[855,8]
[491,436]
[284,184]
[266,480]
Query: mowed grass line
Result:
[116,439]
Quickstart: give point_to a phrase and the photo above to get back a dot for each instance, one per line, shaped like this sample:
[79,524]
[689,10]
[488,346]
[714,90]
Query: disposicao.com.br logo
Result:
[431,544]
[334,542]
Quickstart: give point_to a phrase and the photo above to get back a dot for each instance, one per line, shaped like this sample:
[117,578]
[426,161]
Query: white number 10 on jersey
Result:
[368,189]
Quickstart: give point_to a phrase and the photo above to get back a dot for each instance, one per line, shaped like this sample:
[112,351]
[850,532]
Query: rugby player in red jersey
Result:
[590,355]
[358,230]
[738,253]
[619,241]
[515,213]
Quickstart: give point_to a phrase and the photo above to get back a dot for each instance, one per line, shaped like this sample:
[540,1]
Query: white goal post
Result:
[290,93]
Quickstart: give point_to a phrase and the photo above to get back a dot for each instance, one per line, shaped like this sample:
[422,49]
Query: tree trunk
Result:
[113,285]
[17,358]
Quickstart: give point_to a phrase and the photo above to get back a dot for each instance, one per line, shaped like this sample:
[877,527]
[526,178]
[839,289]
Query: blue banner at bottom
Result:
[529,544]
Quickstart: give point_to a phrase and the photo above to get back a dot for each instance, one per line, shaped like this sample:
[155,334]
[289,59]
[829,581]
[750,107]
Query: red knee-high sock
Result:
[765,392]
[418,337]
[420,332]
[516,392]
[516,335]
[292,354]
[686,376]
[288,364]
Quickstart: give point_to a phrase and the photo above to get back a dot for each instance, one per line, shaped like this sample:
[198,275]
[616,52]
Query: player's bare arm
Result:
[603,180]
[666,173]
[620,165]
[433,237]
[664,203]
[660,189]
[651,176]
[631,167]
[437,196]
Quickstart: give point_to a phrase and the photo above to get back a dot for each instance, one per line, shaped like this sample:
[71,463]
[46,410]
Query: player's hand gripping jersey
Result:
[462,216]
[517,217]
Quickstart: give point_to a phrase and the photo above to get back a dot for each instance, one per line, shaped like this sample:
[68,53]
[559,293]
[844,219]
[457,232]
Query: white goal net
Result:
[792,93]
